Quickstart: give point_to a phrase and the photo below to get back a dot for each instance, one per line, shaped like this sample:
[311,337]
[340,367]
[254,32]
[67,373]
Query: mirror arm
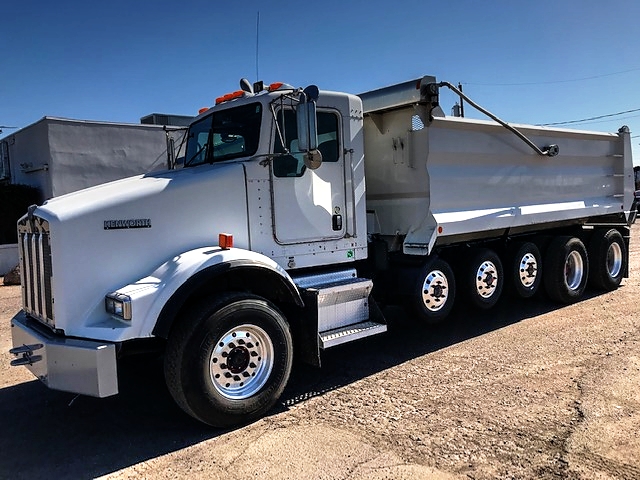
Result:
[275,119]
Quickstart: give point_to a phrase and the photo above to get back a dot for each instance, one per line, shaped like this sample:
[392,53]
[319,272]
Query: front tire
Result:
[228,360]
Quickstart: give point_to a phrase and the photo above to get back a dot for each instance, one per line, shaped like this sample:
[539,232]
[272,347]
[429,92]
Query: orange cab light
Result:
[275,86]
[229,96]
[202,110]
[225,240]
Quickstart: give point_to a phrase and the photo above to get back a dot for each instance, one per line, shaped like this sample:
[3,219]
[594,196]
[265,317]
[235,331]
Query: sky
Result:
[532,62]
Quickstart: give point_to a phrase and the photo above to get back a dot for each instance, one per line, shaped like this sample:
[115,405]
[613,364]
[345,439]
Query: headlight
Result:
[118,304]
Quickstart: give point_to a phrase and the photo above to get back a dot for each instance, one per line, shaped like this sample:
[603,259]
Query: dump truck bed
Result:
[458,179]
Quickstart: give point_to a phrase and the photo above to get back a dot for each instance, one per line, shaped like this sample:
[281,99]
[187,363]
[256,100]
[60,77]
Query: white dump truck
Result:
[296,214]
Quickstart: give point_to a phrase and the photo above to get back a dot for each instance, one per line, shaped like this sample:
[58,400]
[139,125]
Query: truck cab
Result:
[248,223]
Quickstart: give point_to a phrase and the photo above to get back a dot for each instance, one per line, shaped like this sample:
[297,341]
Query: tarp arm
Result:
[548,151]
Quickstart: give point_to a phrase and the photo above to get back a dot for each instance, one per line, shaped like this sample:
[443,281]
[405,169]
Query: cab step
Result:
[350,333]
[339,303]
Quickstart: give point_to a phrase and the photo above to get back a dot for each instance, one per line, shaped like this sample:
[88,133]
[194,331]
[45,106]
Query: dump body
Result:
[460,179]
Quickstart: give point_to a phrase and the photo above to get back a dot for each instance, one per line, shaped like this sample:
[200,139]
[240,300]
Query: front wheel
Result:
[228,360]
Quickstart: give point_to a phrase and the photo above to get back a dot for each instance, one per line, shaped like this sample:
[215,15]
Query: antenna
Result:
[257,45]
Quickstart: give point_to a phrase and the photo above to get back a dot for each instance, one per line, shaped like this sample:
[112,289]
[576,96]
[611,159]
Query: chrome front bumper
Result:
[73,365]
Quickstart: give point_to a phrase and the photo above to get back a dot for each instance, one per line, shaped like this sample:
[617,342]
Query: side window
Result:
[328,137]
[292,165]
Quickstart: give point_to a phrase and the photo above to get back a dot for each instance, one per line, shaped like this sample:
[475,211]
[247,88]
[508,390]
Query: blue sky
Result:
[527,62]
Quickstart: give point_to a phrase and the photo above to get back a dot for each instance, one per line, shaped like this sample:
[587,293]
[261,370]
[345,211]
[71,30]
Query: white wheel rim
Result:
[486,279]
[528,270]
[435,291]
[241,362]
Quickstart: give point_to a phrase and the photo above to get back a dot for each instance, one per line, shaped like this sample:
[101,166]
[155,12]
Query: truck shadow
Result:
[407,339]
[48,434]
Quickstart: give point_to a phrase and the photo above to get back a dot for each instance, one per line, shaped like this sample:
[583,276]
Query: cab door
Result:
[308,205]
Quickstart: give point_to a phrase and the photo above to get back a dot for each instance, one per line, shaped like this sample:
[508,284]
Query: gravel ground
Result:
[528,390]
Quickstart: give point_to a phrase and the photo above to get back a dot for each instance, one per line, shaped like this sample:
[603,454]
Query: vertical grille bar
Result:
[23,268]
[35,274]
[48,275]
[41,276]
[28,277]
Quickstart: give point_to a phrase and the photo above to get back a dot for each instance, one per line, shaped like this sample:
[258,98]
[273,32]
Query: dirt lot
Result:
[527,391]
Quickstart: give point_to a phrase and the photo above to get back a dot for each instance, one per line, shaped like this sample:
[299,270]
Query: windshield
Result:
[224,135]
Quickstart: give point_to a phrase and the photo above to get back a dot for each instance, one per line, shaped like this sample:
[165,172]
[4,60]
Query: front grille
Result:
[35,264]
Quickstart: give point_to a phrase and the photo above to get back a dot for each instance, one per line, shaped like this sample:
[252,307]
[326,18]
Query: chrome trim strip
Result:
[35,274]
[27,273]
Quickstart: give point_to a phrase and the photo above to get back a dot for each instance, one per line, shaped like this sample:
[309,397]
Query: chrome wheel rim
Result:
[614,259]
[528,270]
[435,291]
[486,279]
[241,362]
[573,270]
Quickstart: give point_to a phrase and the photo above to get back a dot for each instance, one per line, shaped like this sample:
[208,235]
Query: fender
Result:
[156,299]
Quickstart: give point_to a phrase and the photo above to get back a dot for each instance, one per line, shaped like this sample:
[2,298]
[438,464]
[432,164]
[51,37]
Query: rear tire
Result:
[434,291]
[482,278]
[566,269]
[228,360]
[525,273]
[607,259]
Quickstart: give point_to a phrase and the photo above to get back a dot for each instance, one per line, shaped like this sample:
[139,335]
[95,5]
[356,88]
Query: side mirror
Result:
[308,127]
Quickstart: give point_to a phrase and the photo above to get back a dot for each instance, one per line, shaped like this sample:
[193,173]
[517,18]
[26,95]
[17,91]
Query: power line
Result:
[552,81]
[608,121]
[6,126]
[590,118]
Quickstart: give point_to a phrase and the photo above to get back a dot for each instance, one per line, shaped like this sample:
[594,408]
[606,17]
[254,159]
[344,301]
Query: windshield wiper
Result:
[208,157]
[200,150]
[188,162]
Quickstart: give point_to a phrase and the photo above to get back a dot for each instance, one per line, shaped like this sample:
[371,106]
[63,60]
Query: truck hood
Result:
[111,235]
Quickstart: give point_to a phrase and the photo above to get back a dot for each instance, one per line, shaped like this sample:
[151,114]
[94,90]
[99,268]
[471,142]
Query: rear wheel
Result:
[525,275]
[482,278]
[433,292]
[607,257]
[228,360]
[566,269]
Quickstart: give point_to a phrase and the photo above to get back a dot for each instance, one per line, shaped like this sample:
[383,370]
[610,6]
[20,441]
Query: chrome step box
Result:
[339,302]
